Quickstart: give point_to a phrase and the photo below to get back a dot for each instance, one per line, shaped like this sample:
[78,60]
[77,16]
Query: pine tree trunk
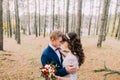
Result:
[67,17]
[73,25]
[17,22]
[90,25]
[53,15]
[45,25]
[28,12]
[115,18]
[1,26]
[63,18]
[39,19]
[91,15]
[118,34]
[103,22]
[58,15]
[109,19]
[106,21]
[79,18]
[9,19]
[35,23]
[8,33]
[98,18]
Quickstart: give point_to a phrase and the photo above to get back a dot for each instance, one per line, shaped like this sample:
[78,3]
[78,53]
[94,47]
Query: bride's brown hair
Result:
[75,46]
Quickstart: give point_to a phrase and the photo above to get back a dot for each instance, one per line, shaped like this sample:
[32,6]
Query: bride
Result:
[74,57]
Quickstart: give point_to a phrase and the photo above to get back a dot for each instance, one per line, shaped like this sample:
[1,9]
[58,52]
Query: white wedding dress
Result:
[71,59]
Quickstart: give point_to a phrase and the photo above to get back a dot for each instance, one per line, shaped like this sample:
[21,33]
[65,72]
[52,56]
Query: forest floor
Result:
[22,62]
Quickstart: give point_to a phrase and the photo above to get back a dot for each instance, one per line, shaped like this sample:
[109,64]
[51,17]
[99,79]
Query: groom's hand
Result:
[71,69]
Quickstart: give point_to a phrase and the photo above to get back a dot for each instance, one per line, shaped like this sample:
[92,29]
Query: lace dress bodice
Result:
[70,59]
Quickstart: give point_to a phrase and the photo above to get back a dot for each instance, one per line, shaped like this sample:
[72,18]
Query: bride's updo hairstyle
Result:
[75,46]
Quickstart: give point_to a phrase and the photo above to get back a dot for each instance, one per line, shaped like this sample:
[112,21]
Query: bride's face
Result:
[65,44]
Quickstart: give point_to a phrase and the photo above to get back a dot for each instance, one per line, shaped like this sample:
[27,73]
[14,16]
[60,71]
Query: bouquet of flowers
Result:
[48,72]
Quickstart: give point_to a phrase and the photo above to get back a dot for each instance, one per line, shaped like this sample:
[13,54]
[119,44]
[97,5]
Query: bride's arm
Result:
[62,78]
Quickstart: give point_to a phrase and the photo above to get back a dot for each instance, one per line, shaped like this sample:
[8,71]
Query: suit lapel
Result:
[53,54]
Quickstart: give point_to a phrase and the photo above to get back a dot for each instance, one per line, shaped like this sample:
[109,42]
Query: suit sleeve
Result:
[44,60]
[61,72]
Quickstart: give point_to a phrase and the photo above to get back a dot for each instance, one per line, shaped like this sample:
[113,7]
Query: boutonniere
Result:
[65,51]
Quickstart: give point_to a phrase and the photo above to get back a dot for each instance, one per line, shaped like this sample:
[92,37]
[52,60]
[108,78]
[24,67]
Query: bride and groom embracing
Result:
[67,63]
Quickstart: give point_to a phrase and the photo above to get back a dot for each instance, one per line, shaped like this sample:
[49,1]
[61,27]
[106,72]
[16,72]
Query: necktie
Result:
[58,49]
[60,55]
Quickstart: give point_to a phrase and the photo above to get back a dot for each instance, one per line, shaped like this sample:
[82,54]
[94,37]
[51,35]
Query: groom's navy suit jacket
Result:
[49,56]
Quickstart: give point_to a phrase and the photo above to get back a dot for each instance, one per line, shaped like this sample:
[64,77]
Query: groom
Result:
[52,54]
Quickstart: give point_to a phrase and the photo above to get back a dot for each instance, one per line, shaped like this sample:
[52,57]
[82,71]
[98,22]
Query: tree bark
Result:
[79,18]
[53,15]
[58,15]
[39,19]
[73,25]
[9,20]
[91,15]
[106,21]
[1,26]
[35,23]
[115,18]
[118,33]
[45,25]
[28,12]
[17,22]
[67,17]
[103,22]
[98,18]
[63,17]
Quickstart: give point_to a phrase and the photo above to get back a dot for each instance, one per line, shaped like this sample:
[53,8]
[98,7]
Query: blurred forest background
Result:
[25,26]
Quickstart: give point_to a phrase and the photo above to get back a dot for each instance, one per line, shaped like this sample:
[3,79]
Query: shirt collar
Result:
[52,47]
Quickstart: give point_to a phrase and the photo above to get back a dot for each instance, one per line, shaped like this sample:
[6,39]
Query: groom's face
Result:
[57,42]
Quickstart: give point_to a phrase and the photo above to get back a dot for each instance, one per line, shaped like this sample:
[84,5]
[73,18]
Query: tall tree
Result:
[17,20]
[118,29]
[63,17]
[9,20]
[119,21]
[91,15]
[115,18]
[35,20]
[28,19]
[45,25]
[67,16]
[97,29]
[58,15]
[103,22]
[53,25]
[73,25]
[79,18]
[39,18]
[106,21]
[1,26]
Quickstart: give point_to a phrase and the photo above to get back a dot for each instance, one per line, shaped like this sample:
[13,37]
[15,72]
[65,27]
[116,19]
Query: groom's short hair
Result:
[56,34]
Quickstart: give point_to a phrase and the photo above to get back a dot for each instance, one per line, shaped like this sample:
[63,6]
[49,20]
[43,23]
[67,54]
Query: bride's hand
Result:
[61,78]
[71,69]
[57,77]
